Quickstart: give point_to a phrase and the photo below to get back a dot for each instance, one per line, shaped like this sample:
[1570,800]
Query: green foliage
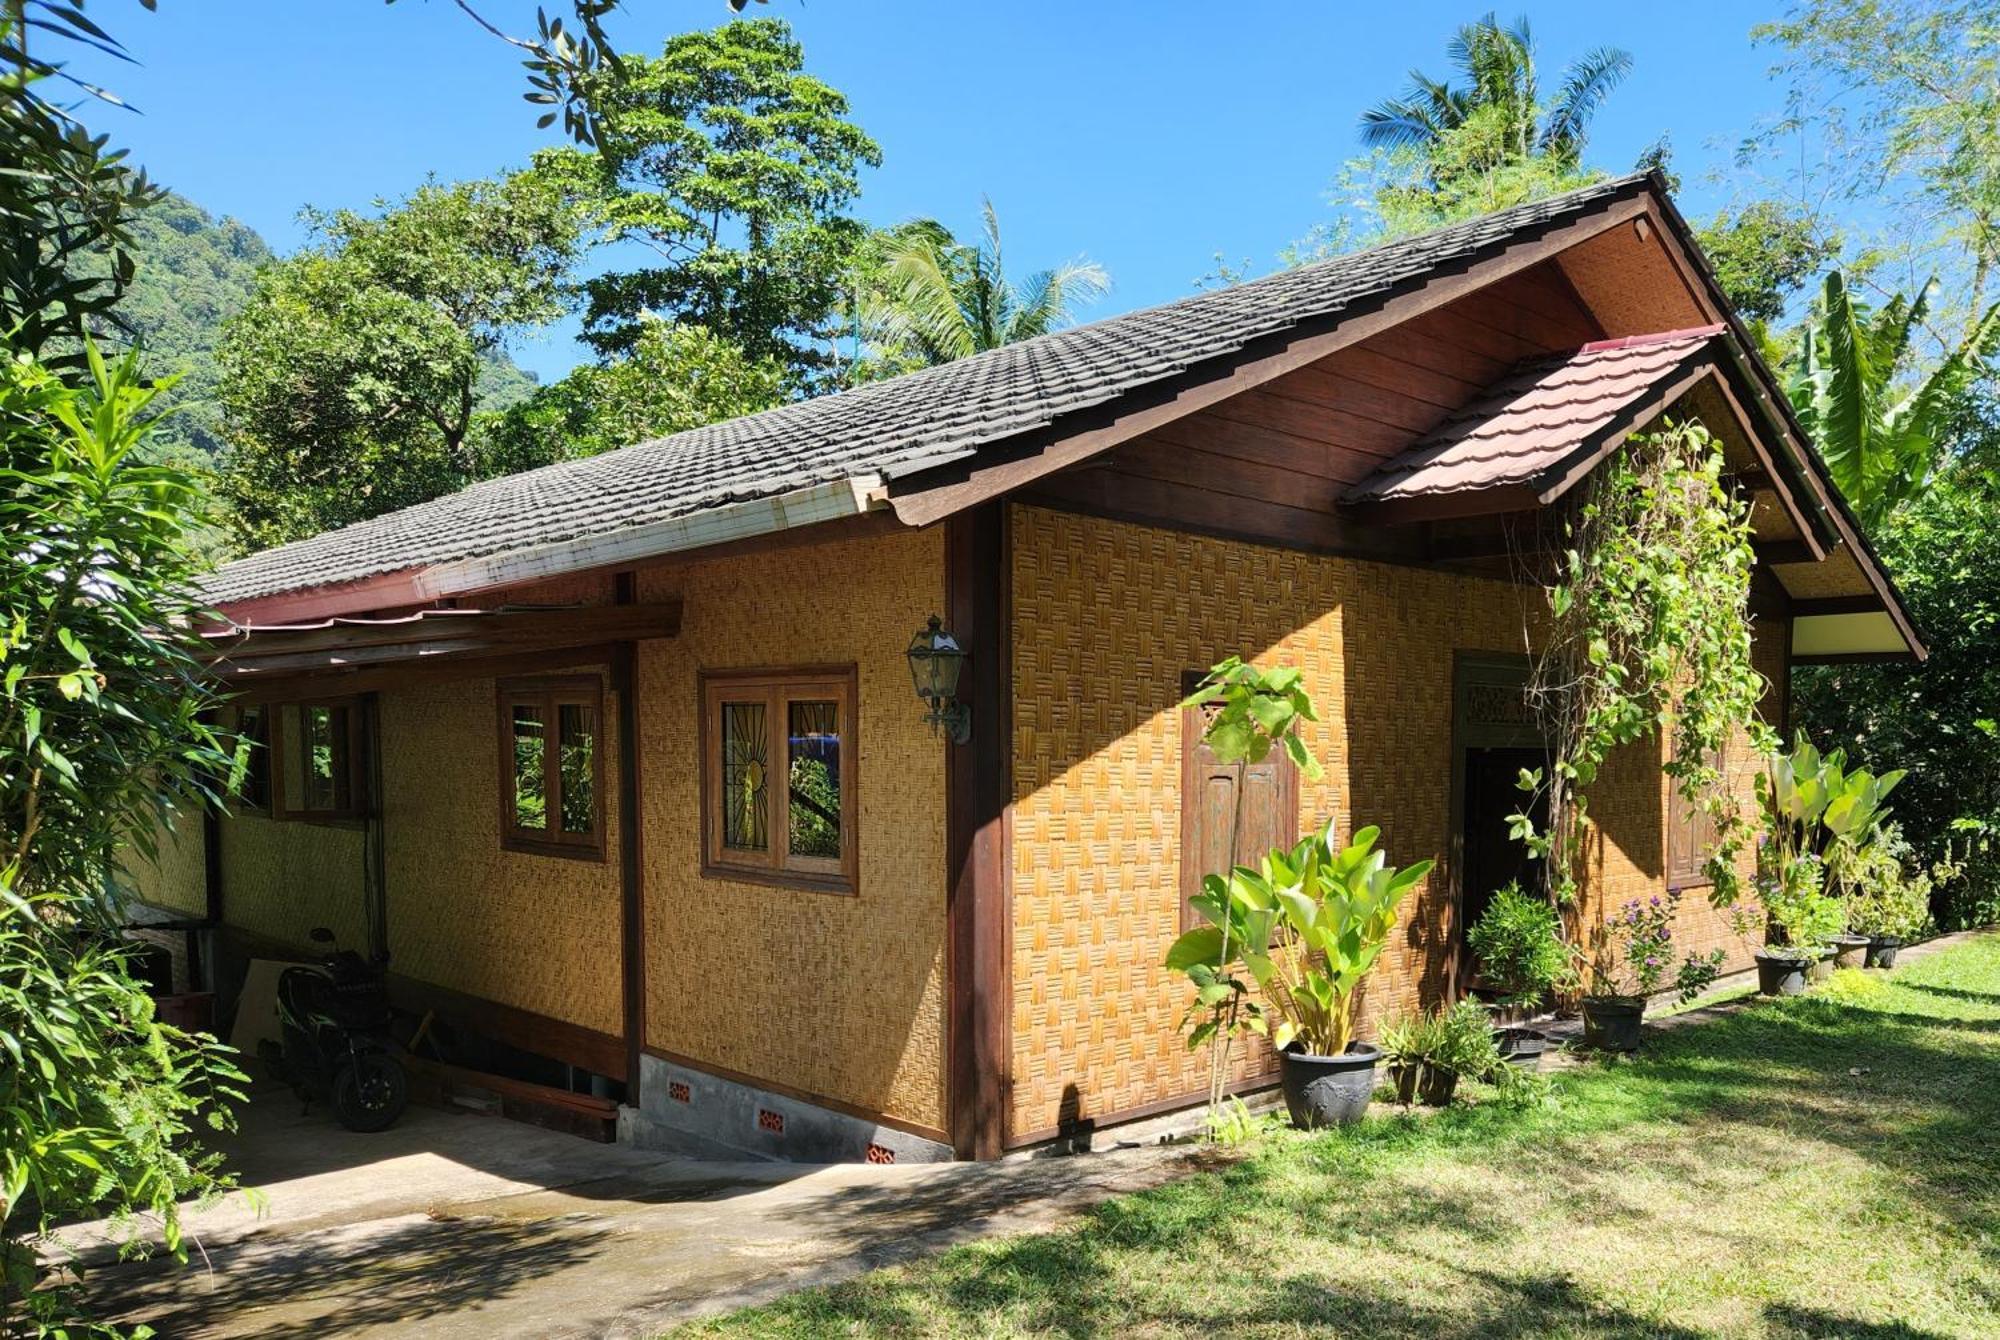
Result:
[1938,717]
[1518,942]
[1499,87]
[1888,891]
[1762,254]
[735,167]
[1259,710]
[102,737]
[1307,927]
[1458,1039]
[1822,824]
[928,298]
[675,377]
[351,380]
[1880,437]
[1649,631]
[1634,953]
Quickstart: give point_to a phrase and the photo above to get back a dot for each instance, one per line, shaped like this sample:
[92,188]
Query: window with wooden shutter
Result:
[1209,790]
[1690,839]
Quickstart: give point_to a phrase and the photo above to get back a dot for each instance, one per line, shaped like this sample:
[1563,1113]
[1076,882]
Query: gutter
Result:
[744,520]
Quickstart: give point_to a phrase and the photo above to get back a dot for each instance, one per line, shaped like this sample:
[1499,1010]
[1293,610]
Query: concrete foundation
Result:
[690,1112]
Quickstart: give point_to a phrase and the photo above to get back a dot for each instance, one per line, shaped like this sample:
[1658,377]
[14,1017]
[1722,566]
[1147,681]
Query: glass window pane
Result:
[531,792]
[745,759]
[578,741]
[812,735]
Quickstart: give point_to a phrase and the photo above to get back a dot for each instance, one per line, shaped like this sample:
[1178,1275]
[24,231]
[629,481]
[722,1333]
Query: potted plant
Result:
[1307,928]
[1429,1053]
[1518,944]
[1822,820]
[1888,901]
[1633,958]
[1801,918]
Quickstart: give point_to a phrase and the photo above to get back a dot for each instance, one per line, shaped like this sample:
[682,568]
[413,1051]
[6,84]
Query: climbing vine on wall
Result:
[1649,632]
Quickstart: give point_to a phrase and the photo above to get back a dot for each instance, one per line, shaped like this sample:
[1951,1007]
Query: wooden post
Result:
[632,898]
[979,793]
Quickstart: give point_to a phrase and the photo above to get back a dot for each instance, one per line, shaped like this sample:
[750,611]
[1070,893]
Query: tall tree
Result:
[1880,427]
[351,381]
[675,377]
[931,299]
[735,168]
[1501,86]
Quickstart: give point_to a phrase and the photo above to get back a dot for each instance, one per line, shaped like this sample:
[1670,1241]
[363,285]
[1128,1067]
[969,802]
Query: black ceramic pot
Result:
[1523,1047]
[1328,1090]
[1611,1023]
[1437,1086]
[1882,951]
[1781,976]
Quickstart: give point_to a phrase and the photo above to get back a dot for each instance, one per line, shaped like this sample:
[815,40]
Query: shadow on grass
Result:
[1804,1323]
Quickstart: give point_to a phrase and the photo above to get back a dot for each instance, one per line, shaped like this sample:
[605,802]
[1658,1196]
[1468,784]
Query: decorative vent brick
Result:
[881,1154]
[767,1120]
[677,1090]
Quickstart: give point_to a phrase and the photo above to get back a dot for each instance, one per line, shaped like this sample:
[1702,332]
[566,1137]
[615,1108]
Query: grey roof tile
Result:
[892,428]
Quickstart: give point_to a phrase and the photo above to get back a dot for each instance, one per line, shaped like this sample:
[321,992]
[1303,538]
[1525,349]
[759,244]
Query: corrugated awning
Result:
[354,655]
[1530,436]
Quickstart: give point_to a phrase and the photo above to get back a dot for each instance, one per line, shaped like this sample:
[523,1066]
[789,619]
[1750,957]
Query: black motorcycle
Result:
[333,1017]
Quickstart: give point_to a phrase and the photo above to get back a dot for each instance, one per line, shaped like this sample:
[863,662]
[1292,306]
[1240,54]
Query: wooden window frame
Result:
[1681,815]
[551,693]
[776,689]
[260,765]
[1193,724]
[359,799]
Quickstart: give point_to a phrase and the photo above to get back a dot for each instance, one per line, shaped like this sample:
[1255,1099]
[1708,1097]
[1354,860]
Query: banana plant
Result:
[1307,926]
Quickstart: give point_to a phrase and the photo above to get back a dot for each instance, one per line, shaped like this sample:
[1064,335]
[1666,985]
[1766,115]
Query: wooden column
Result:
[631,824]
[979,792]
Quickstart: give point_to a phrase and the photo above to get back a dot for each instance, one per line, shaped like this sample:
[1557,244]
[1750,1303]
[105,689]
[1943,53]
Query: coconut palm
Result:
[1498,69]
[936,299]
[1880,436]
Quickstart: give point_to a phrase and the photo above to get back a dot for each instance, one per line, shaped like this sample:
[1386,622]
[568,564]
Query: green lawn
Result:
[1820,1167]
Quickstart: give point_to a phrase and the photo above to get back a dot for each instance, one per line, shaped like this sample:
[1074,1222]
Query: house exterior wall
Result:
[837,998]
[537,932]
[280,878]
[175,878]
[1107,616]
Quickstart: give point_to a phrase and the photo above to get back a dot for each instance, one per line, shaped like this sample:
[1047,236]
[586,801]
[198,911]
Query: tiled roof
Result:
[1533,420]
[890,428]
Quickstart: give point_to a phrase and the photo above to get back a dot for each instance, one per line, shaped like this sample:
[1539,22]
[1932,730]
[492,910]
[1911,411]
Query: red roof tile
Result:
[1529,424]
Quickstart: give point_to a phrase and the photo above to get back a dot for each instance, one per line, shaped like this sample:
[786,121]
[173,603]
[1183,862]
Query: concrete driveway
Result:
[470,1225]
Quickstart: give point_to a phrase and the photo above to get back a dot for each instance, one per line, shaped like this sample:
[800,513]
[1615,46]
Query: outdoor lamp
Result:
[936,660]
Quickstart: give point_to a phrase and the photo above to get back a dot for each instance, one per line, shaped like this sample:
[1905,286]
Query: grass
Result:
[1820,1167]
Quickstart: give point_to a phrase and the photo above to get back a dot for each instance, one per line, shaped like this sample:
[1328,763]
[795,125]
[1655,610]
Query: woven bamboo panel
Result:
[279,880]
[835,995]
[536,932]
[1107,616]
[175,878]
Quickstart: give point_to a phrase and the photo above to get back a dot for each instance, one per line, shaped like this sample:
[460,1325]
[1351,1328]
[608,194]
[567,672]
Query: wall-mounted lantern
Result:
[936,661]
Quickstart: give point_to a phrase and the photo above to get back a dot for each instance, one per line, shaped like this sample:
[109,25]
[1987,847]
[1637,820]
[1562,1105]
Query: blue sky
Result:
[1147,135]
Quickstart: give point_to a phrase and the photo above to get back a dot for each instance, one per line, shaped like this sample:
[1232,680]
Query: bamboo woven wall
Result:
[280,879]
[1107,617]
[540,933]
[175,878]
[836,996]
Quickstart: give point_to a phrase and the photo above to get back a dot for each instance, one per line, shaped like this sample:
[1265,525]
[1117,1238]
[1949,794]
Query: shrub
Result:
[1518,942]
[1887,893]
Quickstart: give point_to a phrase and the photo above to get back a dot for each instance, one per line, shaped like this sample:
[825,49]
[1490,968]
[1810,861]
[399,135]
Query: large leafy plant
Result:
[1307,926]
[1250,712]
[1518,942]
[1822,822]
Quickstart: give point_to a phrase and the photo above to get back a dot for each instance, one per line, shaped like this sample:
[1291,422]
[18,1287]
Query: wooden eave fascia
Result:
[1000,468]
[1770,399]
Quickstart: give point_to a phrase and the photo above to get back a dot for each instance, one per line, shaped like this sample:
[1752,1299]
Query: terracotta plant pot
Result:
[1850,951]
[1882,951]
[1778,975]
[1323,1091]
[1612,1023]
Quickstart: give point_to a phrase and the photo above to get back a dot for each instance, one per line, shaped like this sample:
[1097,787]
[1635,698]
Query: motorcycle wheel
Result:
[371,1093]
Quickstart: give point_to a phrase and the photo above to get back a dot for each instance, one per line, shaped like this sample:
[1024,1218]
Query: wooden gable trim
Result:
[933,495]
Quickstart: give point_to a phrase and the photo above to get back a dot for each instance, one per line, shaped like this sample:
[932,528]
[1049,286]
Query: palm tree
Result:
[937,299]
[1880,436]
[1498,67]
